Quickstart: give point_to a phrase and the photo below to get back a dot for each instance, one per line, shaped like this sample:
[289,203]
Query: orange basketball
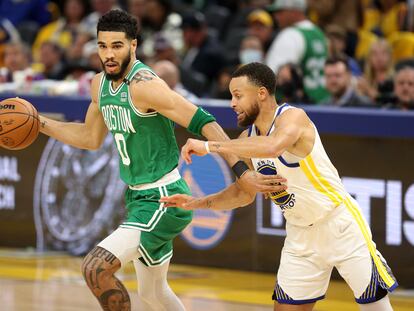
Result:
[19,123]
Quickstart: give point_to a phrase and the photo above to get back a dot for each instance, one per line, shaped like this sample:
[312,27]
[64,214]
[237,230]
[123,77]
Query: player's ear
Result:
[262,93]
[134,44]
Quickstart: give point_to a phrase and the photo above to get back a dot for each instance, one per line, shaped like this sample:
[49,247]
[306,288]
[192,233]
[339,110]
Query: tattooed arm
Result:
[87,135]
[230,198]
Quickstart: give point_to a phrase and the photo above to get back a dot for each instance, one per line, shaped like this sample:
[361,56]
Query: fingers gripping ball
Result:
[19,123]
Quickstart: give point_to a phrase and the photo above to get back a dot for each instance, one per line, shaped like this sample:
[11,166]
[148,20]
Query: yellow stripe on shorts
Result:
[382,270]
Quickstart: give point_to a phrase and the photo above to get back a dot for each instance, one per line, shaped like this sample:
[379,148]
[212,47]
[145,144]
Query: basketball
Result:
[19,123]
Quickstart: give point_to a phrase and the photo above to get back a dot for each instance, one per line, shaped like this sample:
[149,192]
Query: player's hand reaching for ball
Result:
[193,146]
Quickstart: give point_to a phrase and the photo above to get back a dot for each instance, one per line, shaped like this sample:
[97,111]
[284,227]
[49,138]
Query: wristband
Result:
[240,168]
[207,147]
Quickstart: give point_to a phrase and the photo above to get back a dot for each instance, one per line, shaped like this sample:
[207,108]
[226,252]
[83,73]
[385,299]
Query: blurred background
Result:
[349,64]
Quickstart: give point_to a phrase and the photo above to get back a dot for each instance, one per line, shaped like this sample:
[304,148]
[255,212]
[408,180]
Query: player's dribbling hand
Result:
[178,200]
[193,146]
[252,181]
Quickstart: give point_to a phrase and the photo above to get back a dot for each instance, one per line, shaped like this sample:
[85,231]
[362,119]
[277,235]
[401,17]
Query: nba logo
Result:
[124,97]
[206,175]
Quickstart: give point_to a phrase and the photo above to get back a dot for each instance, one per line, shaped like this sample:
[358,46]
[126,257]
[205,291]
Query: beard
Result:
[250,116]
[123,66]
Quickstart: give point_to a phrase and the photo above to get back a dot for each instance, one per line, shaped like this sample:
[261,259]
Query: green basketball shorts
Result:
[158,225]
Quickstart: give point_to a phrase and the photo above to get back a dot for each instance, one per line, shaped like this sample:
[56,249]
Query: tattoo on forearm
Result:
[209,203]
[43,124]
[142,76]
[216,146]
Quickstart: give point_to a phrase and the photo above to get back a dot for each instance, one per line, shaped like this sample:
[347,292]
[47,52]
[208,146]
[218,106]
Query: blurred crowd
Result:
[357,53]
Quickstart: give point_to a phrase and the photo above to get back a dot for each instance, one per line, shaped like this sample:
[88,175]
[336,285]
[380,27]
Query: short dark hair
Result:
[258,74]
[119,21]
[338,59]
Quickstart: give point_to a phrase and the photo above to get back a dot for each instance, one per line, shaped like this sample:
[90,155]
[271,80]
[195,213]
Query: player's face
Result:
[244,100]
[115,52]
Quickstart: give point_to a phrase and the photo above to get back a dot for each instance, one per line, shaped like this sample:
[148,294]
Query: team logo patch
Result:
[283,199]
[206,175]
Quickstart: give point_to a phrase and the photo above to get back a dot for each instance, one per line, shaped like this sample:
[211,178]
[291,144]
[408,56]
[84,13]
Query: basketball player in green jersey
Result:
[139,110]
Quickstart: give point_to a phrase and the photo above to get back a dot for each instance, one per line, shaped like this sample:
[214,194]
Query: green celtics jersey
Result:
[145,141]
[313,63]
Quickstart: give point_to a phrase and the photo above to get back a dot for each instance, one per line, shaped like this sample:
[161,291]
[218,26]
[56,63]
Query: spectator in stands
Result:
[26,15]
[378,71]
[347,14]
[8,34]
[169,72]
[17,60]
[300,42]
[336,36]
[163,50]
[137,8]
[51,59]
[404,88]
[289,85]
[204,54]
[99,8]
[251,50]
[339,85]
[260,25]
[160,18]
[221,85]
[63,31]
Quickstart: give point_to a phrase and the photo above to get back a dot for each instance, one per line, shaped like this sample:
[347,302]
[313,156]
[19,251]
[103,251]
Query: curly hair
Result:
[119,21]
[259,75]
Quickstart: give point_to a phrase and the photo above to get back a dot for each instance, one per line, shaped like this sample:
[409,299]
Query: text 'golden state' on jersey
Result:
[314,187]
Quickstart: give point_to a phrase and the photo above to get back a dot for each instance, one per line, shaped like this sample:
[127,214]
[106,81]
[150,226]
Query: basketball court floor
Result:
[53,282]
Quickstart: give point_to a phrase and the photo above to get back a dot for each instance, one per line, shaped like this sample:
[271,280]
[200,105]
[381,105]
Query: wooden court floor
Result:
[53,282]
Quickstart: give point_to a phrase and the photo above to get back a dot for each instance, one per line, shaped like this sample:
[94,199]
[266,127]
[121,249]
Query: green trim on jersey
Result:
[313,62]
[145,141]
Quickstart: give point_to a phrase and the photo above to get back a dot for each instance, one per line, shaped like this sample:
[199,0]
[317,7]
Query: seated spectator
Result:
[159,18]
[169,72]
[336,36]
[204,54]
[404,88]
[339,85]
[63,31]
[378,71]
[346,14]
[163,50]
[289,85]
[221,86]
[51,59]
[299,42]
[17,63]
[251,50]
[260,25]
[8,34]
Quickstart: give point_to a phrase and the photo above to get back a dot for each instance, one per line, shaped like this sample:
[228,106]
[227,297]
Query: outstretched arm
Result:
[87,135]
[150,93]
[291,126]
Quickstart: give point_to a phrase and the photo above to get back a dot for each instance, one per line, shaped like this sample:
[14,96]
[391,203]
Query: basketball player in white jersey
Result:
[325,227]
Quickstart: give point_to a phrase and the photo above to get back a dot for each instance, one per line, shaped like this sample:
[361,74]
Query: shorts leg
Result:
[123,243]
[303,276]
[158,225]
[363,267]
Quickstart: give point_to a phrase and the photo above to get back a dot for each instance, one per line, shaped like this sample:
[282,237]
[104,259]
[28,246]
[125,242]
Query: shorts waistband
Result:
[167,179]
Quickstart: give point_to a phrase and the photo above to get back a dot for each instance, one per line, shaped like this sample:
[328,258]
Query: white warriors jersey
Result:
[314,186]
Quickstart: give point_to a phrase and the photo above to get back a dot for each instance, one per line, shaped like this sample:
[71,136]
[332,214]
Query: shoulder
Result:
[293,114]
[95,84]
